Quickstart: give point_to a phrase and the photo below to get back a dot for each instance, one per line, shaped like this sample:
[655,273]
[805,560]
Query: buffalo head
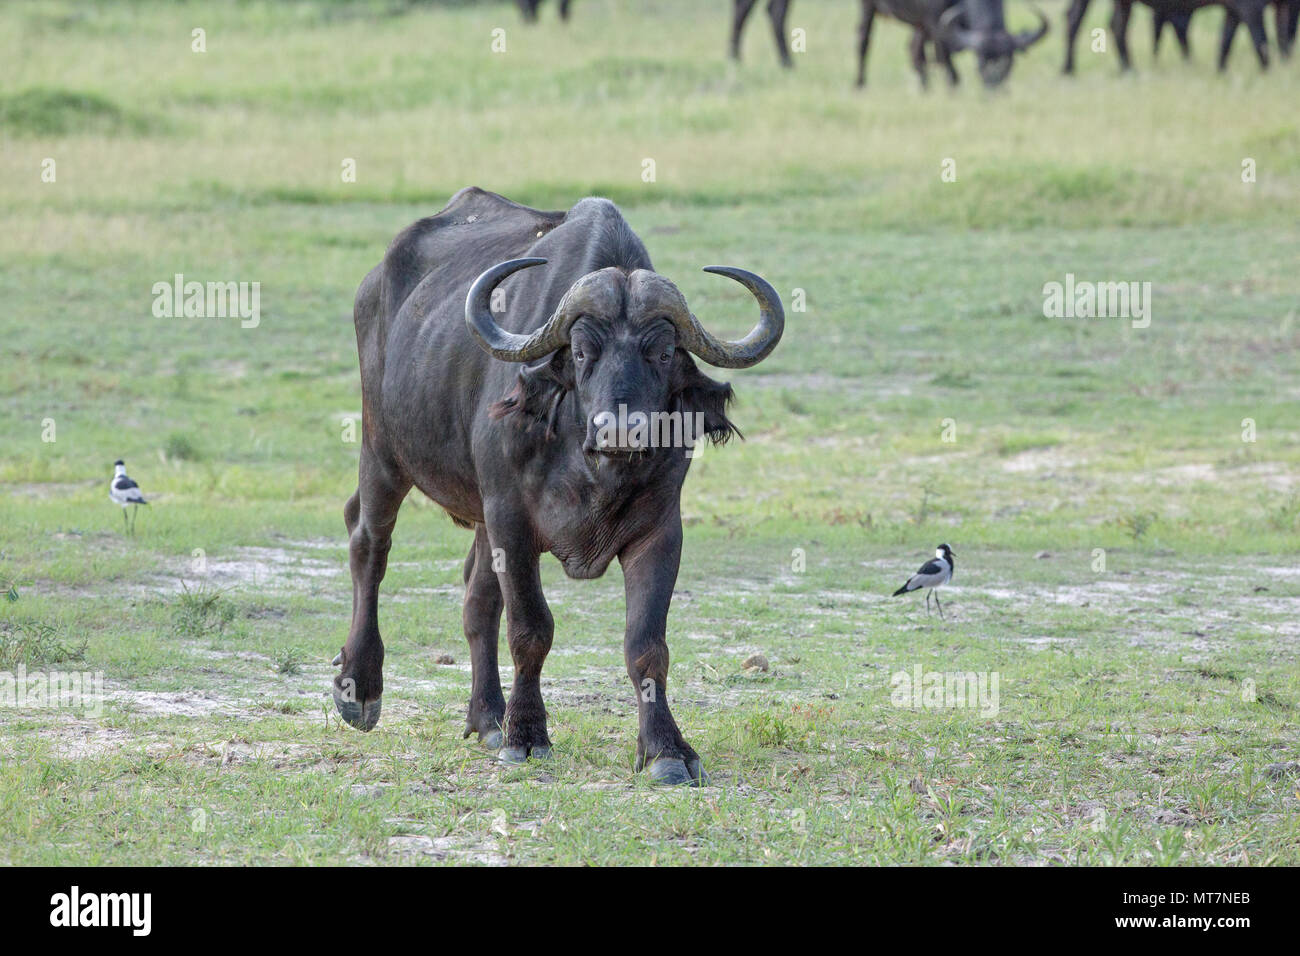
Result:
[978,25]
[618,342]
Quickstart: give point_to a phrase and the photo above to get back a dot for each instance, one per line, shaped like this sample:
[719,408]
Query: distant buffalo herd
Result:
[945,27]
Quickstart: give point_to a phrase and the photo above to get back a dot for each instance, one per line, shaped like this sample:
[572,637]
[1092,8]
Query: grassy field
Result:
[1127,543]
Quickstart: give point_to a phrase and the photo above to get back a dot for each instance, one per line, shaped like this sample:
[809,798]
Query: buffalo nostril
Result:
[623,431]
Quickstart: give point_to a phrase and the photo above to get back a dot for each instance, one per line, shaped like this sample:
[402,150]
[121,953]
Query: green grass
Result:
[1126,561]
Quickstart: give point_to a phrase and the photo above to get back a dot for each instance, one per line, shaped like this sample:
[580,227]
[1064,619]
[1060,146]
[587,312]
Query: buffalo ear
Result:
[693,392]
[538,392]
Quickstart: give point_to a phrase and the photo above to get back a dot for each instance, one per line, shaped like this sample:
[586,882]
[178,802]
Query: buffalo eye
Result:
[662,347]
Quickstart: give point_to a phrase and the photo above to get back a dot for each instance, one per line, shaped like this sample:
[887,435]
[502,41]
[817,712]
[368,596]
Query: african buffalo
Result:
[529,9]
[504,420]
[1285,15]
[977,25]
[947,25]
[1250,12]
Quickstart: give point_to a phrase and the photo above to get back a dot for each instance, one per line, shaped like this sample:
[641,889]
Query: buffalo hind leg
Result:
[776,12]
[1073,20]
[1230,23]
[739,14]
[1179,23]
[482,620]
[649,573]
[370,515]
[944,56]
[1119,27]
[864,39]
[918,58]
[1180,31]
[1259,37]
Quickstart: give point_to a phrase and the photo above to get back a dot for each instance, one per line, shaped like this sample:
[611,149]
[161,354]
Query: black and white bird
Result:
[938,570]
[125,492]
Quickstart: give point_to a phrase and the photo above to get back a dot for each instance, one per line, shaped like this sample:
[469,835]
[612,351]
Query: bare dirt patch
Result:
[1041,459]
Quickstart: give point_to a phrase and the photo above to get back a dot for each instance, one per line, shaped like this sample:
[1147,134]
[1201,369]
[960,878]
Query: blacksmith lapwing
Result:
[938,570]
[125,492]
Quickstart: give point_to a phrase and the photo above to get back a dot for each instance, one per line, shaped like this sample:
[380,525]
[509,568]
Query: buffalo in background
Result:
[529,9]
[1178,13]
[1285,13]
[976,25]
[948,26]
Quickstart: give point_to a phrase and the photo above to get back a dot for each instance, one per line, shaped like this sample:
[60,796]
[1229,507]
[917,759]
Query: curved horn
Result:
[496,341]
[755,346]
[952,36]
[1024,41]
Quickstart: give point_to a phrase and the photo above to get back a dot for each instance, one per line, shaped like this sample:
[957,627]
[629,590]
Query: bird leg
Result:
[940,604]
[927,602]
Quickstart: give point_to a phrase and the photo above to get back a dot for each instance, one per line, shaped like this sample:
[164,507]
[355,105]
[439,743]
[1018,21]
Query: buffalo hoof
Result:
[362,716]
[491,739]
[518,755]
[674,772]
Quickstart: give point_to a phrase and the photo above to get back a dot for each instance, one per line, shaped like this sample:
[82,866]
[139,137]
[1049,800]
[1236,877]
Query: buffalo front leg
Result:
[649,573]
[370,515]
[482,620]
[529,630]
